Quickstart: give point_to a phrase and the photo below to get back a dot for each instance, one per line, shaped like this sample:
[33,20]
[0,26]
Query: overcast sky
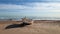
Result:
[48,8]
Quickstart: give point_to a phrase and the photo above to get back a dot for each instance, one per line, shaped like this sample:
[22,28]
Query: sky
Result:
[44,8]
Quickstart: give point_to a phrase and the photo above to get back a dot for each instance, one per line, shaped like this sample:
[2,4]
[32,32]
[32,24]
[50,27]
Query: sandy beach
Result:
[38,27]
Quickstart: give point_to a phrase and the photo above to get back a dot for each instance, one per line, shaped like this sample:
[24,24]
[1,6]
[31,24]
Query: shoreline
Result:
[35,21]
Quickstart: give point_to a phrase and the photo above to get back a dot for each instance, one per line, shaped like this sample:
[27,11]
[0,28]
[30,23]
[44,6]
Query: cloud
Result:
[11,6]
[45,5]
[35,8]
[51,7]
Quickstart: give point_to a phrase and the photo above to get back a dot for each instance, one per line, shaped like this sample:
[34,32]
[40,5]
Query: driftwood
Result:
[24,23]
[17,25]
[26,20]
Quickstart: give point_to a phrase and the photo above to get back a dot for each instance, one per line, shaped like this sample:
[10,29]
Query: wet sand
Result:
[38,27]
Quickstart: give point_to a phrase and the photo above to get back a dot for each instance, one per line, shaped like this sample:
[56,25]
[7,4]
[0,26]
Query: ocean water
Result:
[16,14]
[31,17]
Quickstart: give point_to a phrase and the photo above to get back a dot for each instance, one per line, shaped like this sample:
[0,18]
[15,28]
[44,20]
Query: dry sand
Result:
[38,27]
